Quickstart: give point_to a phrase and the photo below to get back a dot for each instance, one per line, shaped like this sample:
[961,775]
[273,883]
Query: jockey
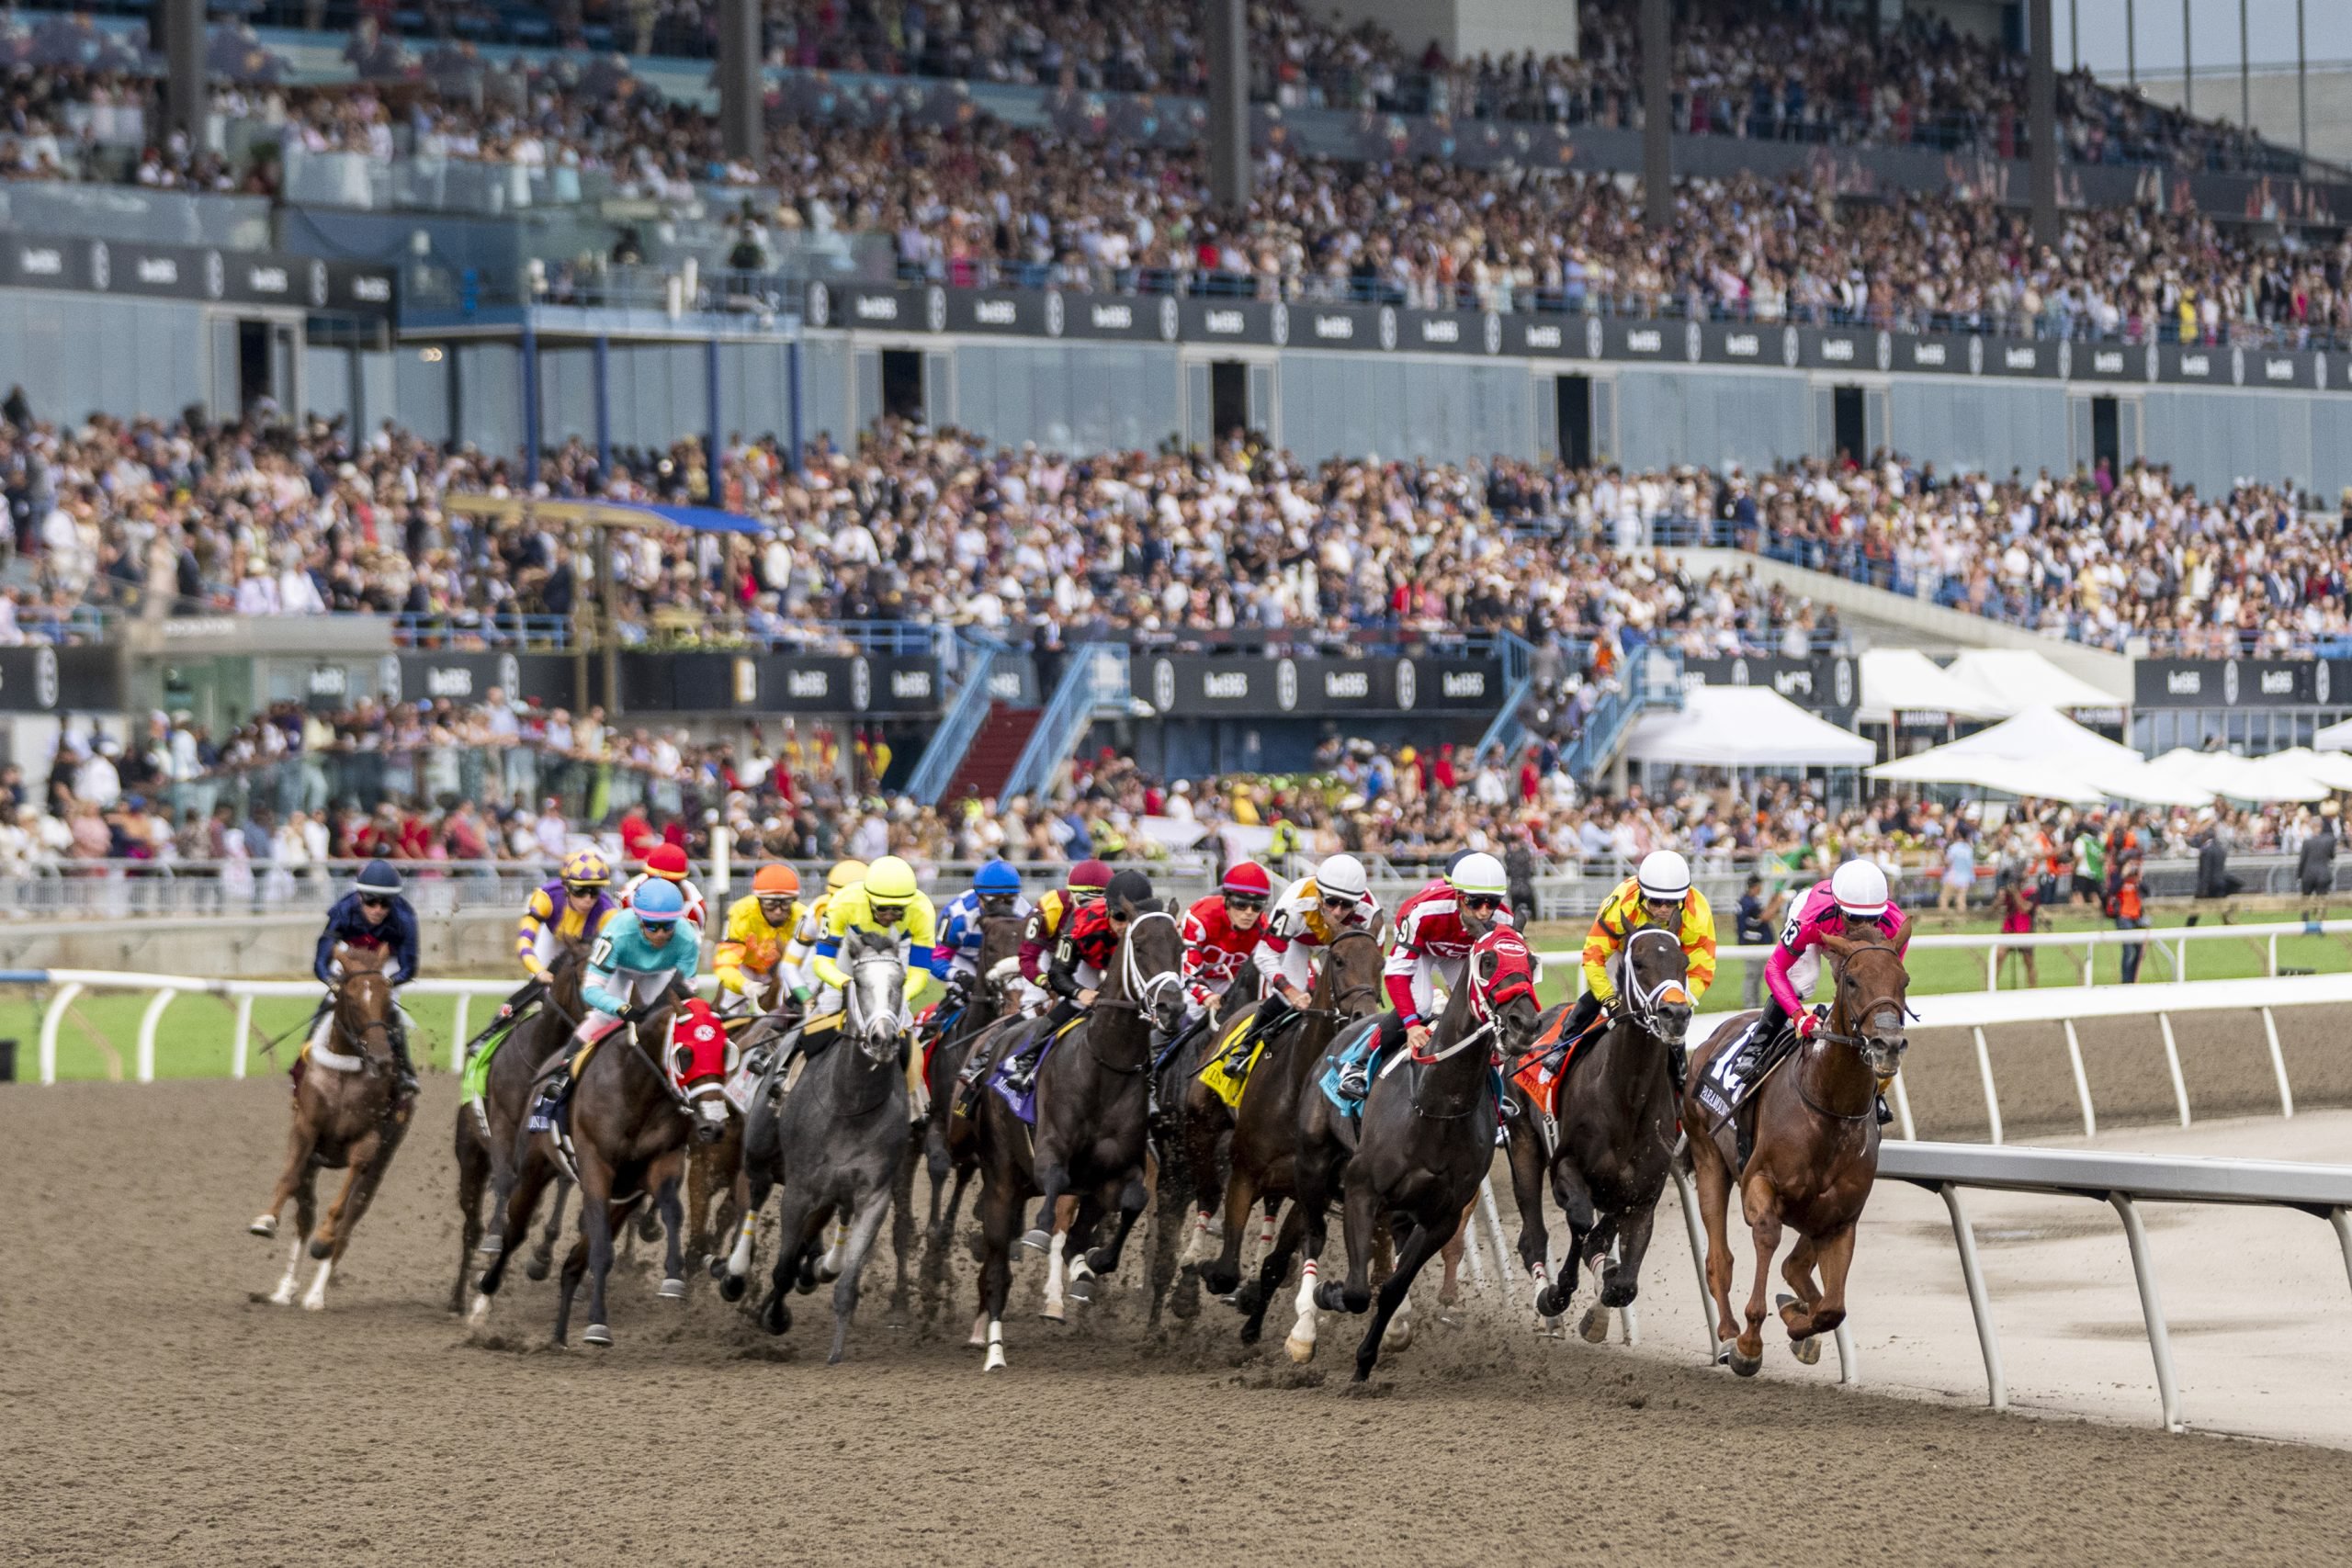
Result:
[1853,904]
[1658,894]
[886,903]
[994,893]
[642,949]
[1086,880]
[1316,909]
[668,864]
[572,908]
[801,952]
[1435,930]
[1082,957]
[373,914]
[1221,934]
[754,970]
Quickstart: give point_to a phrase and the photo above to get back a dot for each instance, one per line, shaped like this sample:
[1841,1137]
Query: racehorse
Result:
[1424,1142]
[835,1147]
[631,1115]
[1265,1126]
[947,1157]
[1606,1135]
[1090,1138]
[1815,1150]
[485,1132]
[347,1116]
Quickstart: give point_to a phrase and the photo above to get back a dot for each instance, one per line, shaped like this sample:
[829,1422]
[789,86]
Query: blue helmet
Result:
[658,903]
[996,878]
[378,879]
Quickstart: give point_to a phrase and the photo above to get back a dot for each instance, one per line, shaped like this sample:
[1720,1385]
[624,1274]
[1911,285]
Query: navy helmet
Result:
[376,879]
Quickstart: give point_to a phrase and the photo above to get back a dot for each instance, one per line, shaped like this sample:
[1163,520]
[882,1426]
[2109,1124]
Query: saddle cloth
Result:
[1346,1052]
[1229,1086]
[1547,1065]
[1722,1089]
[1025,1102]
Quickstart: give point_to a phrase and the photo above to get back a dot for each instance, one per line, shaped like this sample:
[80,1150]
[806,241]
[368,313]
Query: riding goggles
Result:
[367,903]
[998,903]
[889,913]
[580,890]
[1337,901]
[1244,901]
[1482,903]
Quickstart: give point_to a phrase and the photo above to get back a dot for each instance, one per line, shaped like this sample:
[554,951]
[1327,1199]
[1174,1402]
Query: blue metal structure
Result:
[1095,685]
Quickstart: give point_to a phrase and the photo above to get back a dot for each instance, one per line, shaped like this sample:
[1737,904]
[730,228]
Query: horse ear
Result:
[1838,947]
[1901,936]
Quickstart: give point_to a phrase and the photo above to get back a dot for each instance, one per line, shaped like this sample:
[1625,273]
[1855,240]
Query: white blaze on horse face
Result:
[284,1294]
[315,1298]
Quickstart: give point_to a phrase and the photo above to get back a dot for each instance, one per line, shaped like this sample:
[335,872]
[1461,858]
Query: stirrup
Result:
[1885,1114]
[1355,1081]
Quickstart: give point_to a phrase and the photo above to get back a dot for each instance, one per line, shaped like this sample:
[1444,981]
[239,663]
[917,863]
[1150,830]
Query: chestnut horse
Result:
[1816,1151]
[347,1115]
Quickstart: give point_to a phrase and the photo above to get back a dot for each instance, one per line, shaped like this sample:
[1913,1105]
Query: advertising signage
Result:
[1180,686]
[777,682]
[2241,682]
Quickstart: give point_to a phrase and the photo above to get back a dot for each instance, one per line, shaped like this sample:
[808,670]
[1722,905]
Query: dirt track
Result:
[157,1411]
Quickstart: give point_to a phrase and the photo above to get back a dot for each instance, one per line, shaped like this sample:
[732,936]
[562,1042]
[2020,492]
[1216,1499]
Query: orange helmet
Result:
[776,881]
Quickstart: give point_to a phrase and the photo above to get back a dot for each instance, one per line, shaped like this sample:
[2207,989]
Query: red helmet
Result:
[1091,875]
[1248,878]
[667,860]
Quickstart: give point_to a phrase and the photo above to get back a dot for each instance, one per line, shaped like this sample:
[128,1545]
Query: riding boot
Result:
[1745,1132]
[1580,1017]
[1678,1064]
[1355,1079]
[1880,1106]
[403,1069]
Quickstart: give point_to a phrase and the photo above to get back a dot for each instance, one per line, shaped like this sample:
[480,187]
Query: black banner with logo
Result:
[41,679]
[198,273]
[469,678]
[2241,682]
[776,682]
[1192,685]
[1826,685]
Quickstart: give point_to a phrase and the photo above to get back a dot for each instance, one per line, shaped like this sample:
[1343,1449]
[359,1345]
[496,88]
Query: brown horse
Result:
[1816,1151]
[1265,1125]
[347,1116]
[486,1128]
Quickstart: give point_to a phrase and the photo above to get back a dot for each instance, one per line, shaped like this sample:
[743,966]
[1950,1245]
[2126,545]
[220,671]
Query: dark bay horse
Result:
[1090,1140]
[1265,1125]
[947,1157]
[837,1144]
[1424,1142]
[630,1124]
[485,1132]
[1606,1135]
[1816,1151]
[347,1116]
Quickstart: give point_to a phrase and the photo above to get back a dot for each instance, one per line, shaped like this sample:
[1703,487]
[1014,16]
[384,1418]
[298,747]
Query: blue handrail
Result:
[1094,684]
[953,738]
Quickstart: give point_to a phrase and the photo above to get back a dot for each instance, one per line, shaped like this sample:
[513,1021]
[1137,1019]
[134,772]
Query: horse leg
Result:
[1764,1224]
[1169,1213]
[522,1198]
[1132,1198]
[575,1268]
[1363,1232]
[473,1179]
[1312,1187]
[1796,1310]
[369,1159]
[1200,1142]
[1834,1254]
[1054,1177]
[596,1221]
[673,1226]
[865,1229]
[1394,1291]
[543,1251]
[302,1143]
[1000,1211]
[1525,1153]
[1222,1275]
[1623,1281]
[1714,1201]
[1253,1297]
[1449,1286]
[902,1234]
[306,1210]
[799,1218]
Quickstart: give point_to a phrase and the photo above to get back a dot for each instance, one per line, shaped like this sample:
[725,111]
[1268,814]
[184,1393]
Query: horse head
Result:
[874,1002]
[363,999]
[1870,1009]
[1349,987]
[1000,953]
[1502,987]
[1149,968]
[1657,974]
[701,1055]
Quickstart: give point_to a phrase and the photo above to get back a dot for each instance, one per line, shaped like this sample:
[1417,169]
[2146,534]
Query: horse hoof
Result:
[673,1290]
[1595,1325]
[1081,1287]
[1054,1313]
[1395,1338]
[321,1250]
[731,1287]
[1746,1366]
[1551,1302]
[266,1225]
[1807,1351]
[597,1334]
[1551,1327]
[537,1269]
[1036,1241]
[478,1313]
[995,1363]
[1301,1351]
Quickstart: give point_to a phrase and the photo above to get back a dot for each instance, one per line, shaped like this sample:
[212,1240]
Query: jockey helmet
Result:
[1090,875]
[845,873]
[667,860]
[1343,875]
[776,880]
[1247,879]
[1665,877]
[376,879]
[586,868]
[1130,887]
[996,878]
[1860,887]
[659,904]
[890,880]
[1478,873]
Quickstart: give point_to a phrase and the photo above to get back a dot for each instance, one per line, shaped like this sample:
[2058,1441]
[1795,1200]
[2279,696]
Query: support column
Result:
[2303,89]
[186,106]
[2132,45]
[792,369]
[530,346]
[2041,110]
[604,398]
[1228,44]
[2188,63]
[712,451]
[2246,73]
[1658,113]
[743,104]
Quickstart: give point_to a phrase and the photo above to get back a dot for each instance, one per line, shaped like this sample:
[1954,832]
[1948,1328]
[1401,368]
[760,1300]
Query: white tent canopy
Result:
[2240,778]
[1904,679]
[1744,727]
[2332,769]
[2043,752]
[2016,679]
[2337,736]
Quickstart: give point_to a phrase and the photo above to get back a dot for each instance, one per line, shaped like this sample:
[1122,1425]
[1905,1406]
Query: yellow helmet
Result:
[890,880]
[848,873]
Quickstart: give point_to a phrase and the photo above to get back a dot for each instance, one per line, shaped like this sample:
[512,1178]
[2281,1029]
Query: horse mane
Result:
[362,960]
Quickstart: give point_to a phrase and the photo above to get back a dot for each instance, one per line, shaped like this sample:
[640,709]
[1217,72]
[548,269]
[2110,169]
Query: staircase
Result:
[1654,682]
[1094,684]
[988,762]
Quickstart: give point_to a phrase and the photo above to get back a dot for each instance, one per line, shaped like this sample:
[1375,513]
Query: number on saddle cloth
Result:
[1355,1046]
[1724,1087]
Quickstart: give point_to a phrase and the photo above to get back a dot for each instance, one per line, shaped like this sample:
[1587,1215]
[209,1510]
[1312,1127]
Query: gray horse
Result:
[836,1144]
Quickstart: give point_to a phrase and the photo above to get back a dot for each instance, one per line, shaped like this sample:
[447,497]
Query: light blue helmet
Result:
[996,878]
[658,903]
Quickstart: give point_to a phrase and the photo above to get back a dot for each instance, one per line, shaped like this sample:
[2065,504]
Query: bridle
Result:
[1649,999]
[1862,1040]
[1338,1010]
[1143,992]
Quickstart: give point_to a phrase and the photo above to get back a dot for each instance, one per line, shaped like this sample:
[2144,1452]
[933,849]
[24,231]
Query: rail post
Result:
[2172,1060]
[2274,955]
[1849,1366]
[1698,1257]
[147,1022]
[2278,1062]
[245,1028]
[1996,1387]
[2152,1307]
[2343,1224]
[1903,1111]
[1992,1096]
[2082,1081]
[50,1020]
[1505,1255]
[457,1036]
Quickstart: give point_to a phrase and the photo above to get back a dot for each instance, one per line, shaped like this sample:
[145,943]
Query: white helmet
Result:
[1665,876]
[1860,887]
[1479,874]
[1343,875]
